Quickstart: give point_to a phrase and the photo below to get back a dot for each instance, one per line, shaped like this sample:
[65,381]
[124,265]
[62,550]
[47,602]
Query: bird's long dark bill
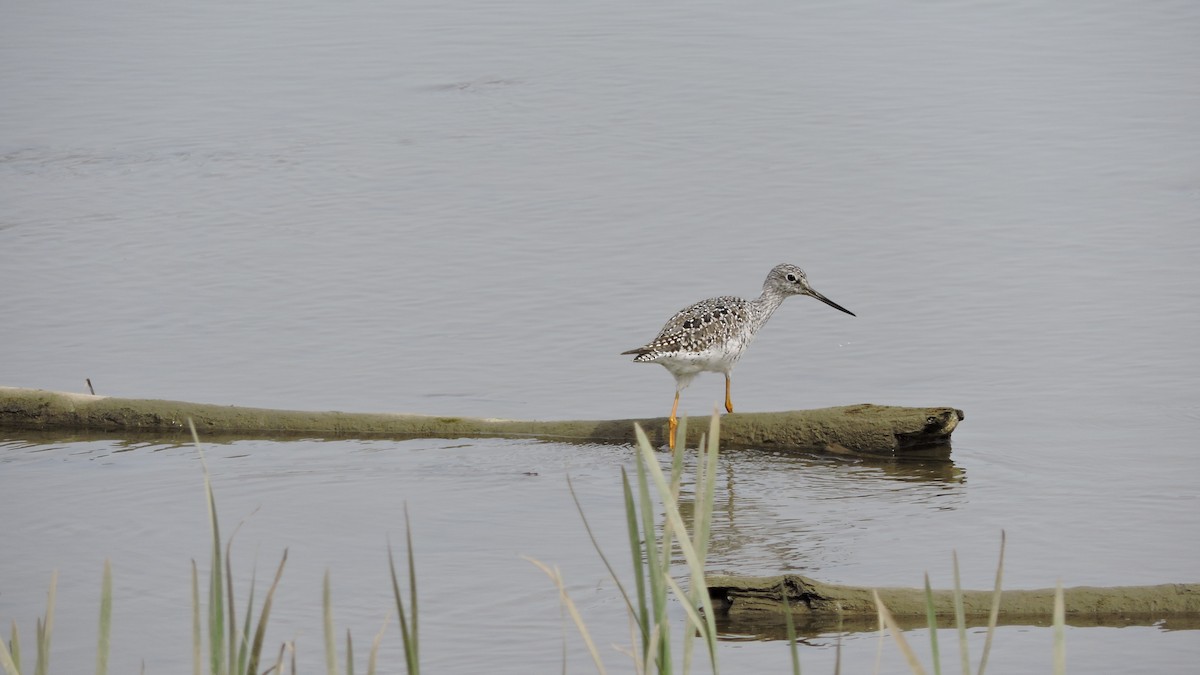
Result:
[832,303]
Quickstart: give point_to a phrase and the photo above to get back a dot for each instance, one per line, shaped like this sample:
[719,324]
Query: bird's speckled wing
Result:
[697,328]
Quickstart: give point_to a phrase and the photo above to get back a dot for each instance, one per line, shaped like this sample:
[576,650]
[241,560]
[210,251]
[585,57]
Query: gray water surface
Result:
[471,208]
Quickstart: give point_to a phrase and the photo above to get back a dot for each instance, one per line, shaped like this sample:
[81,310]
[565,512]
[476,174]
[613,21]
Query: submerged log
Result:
[756,604]
[865,428]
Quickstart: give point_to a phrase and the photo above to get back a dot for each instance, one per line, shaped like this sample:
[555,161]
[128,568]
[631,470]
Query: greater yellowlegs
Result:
[713,334]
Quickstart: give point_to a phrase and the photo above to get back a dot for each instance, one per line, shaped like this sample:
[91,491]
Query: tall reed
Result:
[653,547]
[960,623]
[230,651]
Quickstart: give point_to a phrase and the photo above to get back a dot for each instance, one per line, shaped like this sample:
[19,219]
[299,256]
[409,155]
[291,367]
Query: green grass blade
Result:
[216,610]
[45,629]
[658,603]
[216,606]
[243,651]
[327,607]
[39,636]
[642,618]
[931,621]
[701,515]
[412,592]
[706,481]
[407,633]
[102,645]
[1060,631]
[349,654]
[400,610]
[665,557]
[693,616]
[888,620]
[16,647]
[994,615]
[658,559]
[675,521]
[790,624]
[261,631]
[656,640]
[10,654]
[676,481]
[704,507]
[197,641]
[231,616]
[238,644]
[960,618]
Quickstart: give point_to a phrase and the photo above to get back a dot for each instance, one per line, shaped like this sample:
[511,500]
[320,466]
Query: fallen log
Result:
[866,428]
[756,605]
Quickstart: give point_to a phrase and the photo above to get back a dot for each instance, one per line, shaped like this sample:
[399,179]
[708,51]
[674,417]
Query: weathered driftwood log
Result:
[866,428]
[756,604]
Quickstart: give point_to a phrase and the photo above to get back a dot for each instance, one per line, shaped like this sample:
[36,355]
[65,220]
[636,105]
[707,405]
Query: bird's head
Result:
[788,279]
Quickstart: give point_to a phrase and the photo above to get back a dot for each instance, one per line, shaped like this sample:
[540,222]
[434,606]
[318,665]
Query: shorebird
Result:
[712,334]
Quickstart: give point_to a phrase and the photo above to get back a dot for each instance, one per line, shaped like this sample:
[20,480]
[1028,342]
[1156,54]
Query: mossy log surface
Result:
[864,428]
[756,603]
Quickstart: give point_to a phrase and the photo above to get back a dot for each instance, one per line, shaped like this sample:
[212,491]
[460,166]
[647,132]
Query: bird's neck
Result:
[766,304]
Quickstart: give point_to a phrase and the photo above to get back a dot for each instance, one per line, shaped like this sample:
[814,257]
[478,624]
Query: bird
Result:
[712,334]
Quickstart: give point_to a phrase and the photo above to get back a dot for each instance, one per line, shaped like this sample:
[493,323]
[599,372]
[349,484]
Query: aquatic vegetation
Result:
[652,549]
[408,620]
[235,652]
[889,623]
[331,649]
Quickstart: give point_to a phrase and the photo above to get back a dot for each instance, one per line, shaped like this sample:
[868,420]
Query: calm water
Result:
[471,208]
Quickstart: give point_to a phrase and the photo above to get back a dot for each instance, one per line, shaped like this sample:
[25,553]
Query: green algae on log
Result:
[864,428]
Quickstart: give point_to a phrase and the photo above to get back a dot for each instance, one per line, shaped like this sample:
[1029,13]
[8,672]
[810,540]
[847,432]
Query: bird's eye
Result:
[791,278]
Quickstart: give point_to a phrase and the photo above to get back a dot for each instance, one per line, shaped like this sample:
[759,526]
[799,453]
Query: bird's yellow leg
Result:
[673,423]
[728,401]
